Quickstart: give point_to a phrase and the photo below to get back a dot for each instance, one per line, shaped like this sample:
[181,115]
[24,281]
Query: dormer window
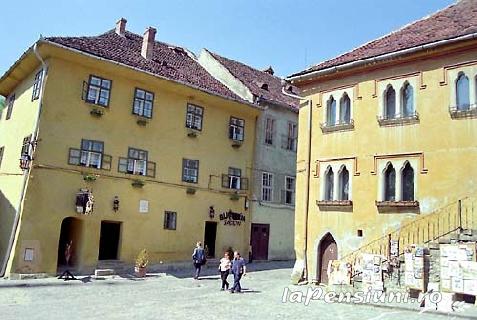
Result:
[264,86]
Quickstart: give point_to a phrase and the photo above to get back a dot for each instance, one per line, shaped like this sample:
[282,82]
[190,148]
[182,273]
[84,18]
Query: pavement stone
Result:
[178,296]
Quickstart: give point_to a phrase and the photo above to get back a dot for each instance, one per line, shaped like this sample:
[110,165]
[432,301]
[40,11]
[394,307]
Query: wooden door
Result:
[259,240]
[210,235]
[328,251]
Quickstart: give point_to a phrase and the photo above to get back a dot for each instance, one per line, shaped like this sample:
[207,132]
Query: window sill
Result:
[397,204]
[334,203]
[399,121]
[463,114]
[325,128]
[93,104]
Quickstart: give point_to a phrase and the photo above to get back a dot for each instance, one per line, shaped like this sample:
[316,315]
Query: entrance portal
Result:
[327,250]
[259,241]
[209,237]
[109,240]
[71,232]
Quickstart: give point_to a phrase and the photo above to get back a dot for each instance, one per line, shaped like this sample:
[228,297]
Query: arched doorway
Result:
[327,250]
[71,231]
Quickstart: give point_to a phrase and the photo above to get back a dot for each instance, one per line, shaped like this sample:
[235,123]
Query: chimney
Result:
[121,26]
[148,43]
[269,70]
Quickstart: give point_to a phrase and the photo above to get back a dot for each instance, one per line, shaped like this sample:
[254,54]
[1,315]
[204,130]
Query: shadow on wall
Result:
[7,216]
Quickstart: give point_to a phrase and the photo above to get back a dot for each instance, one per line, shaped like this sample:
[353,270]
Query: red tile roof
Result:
[168,61]
[454,21]
[254,79]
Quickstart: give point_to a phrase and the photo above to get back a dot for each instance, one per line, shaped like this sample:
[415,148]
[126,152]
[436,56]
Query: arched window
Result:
[407,98]
[329,179]
[389,183]
[408,183]
[344,184]
[462,92]
[345,109]
[390,103]
[331,112]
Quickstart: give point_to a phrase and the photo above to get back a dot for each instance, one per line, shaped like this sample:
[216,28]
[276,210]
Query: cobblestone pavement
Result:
[161,296]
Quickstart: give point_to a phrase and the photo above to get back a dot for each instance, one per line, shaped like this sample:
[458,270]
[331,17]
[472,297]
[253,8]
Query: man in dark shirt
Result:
[238,270]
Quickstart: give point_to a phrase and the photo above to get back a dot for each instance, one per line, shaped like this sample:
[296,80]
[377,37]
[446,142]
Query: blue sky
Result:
[289,35]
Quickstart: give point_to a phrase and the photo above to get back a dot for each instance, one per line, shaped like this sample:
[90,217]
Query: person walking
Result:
[239,270]
[224,268]
[198,258]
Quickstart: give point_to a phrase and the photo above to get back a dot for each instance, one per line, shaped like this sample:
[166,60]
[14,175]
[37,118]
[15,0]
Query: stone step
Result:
[104,272]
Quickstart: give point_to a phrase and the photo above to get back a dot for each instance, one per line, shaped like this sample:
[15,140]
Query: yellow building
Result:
[125,142]
[387,137]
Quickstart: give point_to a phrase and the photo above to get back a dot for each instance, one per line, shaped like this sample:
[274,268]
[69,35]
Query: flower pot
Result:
[140,271]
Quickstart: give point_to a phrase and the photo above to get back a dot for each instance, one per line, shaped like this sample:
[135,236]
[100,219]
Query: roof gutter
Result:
[147,72]
[379,58]
[26,173]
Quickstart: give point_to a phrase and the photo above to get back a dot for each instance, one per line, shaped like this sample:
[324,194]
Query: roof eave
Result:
[391,55]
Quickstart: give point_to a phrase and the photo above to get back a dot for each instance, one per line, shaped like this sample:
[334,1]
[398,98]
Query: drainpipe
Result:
[308,176]
[26,173]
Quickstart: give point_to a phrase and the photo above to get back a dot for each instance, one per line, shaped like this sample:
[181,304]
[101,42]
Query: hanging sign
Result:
[231,218]
[84,201]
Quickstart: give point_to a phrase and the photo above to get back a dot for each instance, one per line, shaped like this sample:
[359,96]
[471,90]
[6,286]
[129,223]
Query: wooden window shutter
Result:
[106,162]
[151,169]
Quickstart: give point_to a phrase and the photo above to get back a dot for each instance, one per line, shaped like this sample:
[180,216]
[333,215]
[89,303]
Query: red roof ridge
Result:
[328,63]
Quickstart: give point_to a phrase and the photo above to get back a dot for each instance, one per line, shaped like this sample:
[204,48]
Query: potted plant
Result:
[190,190]
[89,177]
[96,112]
[137,183]
[191,132]
[142,121]
[234,196]
[141,263]
[236,143]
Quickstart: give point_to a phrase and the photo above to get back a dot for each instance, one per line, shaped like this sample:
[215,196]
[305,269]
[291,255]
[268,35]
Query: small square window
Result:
[98,91]
[194,117]
[190,170]
[170,220]
[143,103]
[37,85]
[29,254]
[360,233]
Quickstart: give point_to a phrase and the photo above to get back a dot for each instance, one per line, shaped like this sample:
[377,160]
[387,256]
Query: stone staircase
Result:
[454,223]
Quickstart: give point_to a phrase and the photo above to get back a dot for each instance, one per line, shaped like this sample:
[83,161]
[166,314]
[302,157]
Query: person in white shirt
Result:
[224,268]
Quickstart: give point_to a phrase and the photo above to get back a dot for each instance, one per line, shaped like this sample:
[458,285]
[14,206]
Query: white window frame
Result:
[290,190]
[234,179]
[189,174]
[337,96]
[337,166]
[37,85]
[269,137]
[237,128]
[88,157]
[398,86]
[398,165]
[267,189]
[194,116]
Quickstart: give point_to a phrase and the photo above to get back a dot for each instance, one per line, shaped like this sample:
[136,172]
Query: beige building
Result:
[272,199]
[124,144]
[388,142]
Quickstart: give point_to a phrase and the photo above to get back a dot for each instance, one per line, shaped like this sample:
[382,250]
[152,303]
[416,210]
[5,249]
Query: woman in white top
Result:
[224,268]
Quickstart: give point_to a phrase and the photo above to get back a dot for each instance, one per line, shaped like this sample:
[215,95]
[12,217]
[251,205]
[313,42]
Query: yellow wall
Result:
[20,125]
[53,184]
[449,147]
